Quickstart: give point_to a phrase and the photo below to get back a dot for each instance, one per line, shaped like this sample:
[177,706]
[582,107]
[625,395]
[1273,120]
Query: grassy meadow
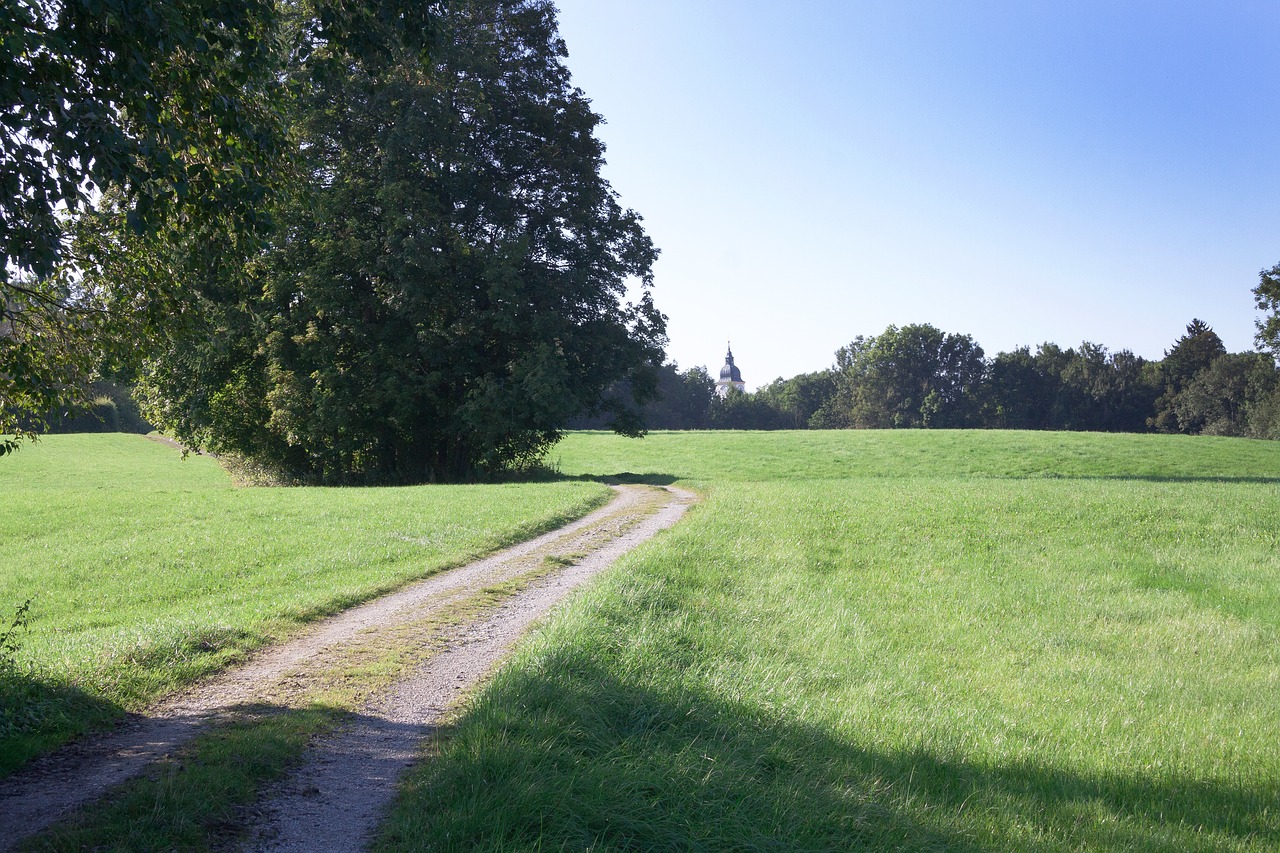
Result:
[977,641]
[146,571]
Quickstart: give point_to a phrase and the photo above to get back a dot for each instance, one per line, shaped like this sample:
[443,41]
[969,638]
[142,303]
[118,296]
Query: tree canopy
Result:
[447,285]
[170,101]
[171,106]
[1266,296]
[1191,354]
[916,375]
[355,240]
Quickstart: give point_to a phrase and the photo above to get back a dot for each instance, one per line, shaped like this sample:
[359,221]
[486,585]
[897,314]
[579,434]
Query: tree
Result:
[134,122]
[1103,391]
[916,376]
[836,411]
[742,410]
[683,400]
[1018,392]
[1267,298]
[1191,353]
[170,105]
[168,100]
[1134,390]
[446,287]
[1262,415]
[1218,399]
[798,399]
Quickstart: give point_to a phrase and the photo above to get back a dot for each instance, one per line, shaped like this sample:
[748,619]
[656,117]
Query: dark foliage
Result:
[1191,354]
[446,288]
[682,400]
[170,107]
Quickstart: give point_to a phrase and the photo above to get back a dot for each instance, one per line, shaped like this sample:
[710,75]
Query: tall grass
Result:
[913,641]
[146,572]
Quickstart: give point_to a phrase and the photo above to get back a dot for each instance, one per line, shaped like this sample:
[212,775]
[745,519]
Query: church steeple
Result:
[730,375]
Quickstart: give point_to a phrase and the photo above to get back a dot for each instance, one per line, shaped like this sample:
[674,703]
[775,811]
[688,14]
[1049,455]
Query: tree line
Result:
[918,376]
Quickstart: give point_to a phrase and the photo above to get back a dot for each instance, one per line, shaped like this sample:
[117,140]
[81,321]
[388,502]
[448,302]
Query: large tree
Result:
[142,131]
[448,285]
[1020,390]
[168,106]
[1111,392]
[1190,354]
[913,376]
[683,400]
[1218,400]
[169,100]
[1267,297]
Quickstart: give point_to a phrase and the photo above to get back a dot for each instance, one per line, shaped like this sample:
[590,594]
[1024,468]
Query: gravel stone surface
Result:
[333,802]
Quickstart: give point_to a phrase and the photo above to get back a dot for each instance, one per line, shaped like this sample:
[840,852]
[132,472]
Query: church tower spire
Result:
[730,375]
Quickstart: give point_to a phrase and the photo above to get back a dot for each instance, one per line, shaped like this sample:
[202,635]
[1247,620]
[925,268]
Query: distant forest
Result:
[918,376]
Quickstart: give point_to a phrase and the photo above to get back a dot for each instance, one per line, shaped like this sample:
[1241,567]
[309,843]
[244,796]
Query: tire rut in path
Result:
[346,780]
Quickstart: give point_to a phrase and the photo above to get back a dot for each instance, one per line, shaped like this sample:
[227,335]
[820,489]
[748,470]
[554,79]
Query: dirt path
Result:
[335,800]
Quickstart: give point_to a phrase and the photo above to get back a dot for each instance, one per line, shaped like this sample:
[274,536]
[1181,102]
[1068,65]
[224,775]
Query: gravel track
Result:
[334,801]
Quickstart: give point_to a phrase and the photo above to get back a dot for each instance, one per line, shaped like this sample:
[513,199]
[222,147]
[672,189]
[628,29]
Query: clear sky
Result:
[1020,171]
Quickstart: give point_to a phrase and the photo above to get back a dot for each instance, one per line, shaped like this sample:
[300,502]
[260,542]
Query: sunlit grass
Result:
[988,642]
[817,454]
[146,571]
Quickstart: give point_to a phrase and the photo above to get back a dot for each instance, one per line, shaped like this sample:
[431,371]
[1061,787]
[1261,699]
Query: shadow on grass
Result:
[37,715]
[627,478]
[1163,478]
[622,478]
[574,758]
[196,794]
[656,479]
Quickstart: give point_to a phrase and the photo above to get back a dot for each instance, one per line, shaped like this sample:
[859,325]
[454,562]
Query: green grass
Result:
[147,572]
[897,641]
[812,455]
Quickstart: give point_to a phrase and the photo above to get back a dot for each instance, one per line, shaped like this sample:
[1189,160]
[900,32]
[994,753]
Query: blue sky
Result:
[1018,171]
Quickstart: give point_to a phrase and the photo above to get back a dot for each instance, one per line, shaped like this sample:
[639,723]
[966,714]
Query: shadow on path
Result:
[194,797]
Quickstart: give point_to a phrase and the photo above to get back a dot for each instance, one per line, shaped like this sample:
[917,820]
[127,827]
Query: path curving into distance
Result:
[335,799]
